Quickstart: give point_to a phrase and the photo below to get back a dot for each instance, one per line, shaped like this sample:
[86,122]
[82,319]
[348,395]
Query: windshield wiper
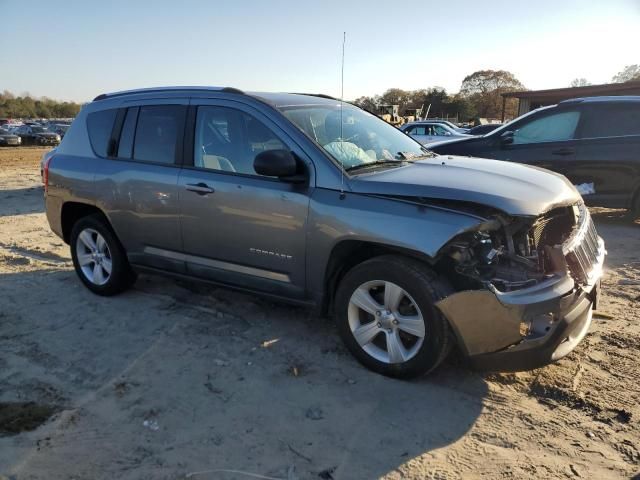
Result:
[410,156]
[373,164]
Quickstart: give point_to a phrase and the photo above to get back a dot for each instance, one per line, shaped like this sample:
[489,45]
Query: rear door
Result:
[239,227]
[608,154]
[137,183]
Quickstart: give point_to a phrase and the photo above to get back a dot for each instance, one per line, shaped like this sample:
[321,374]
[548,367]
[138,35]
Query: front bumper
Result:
[527,328]
[562,337]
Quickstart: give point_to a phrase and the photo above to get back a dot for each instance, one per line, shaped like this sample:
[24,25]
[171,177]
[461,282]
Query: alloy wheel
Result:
[386,322]
[94,256]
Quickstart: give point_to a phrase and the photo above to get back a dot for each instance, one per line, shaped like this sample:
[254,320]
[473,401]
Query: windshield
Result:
[361,138]
[38,129]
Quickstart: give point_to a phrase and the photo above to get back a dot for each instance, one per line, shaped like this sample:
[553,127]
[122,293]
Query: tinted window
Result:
[417,130]
[612,121]
[125,146]
[157,133]
[550,128]
[229,140]
[99,125]
[438,130]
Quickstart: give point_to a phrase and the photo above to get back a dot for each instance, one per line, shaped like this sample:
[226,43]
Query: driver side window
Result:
[556,127]
[229,140]
[439,131]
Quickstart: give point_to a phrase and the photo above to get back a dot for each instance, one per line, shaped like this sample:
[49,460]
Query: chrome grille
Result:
[584,249]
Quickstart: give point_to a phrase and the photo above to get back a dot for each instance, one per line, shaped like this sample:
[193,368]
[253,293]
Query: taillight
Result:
[45,174]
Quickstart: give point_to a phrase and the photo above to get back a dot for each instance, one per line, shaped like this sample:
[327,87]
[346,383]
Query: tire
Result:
[424,347]
[98,257]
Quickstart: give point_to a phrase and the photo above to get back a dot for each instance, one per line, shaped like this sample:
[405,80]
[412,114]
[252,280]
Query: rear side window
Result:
[612,121]
[100,125]
[125,146]
[417,130]
[157,133]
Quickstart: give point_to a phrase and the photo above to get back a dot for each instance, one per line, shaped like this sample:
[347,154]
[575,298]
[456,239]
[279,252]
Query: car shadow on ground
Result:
[21,201]
[207,379]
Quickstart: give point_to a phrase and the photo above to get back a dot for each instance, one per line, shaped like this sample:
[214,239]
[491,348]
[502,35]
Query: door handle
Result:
[199,188]
[563,151]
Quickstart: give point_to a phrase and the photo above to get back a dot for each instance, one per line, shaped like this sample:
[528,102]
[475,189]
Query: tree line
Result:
[26,106]
[630,73]
[480,95]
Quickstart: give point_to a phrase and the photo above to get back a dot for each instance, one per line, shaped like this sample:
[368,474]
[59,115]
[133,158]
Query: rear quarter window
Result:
[99,126]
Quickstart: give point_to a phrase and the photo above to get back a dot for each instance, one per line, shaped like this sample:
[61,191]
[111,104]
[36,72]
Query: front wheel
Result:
[98,257]
[386,314]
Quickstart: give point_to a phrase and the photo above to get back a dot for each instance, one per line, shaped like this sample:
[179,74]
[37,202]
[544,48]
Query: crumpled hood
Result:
[511,187]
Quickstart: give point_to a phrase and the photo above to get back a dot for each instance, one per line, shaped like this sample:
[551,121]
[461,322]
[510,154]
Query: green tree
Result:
[25,106]
[629,73]
[367,103]
[579,82]
[484,89]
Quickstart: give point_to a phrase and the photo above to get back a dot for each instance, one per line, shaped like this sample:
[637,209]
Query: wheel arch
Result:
[73,211]
[348,253]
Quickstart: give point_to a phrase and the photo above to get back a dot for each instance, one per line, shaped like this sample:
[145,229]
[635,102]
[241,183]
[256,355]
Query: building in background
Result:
[532,99]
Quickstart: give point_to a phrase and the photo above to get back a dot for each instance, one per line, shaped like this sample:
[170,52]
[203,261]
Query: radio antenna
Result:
[344,40]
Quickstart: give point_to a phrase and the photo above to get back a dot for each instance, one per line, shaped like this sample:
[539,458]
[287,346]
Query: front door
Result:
[239,227]
[548,141]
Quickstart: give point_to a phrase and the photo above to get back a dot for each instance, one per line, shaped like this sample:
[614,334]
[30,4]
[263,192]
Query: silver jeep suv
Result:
[314,201]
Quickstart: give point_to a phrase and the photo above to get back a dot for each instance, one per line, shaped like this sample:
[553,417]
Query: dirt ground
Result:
[178,380]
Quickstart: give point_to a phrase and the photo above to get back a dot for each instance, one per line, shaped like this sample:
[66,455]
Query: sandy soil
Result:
[177,380]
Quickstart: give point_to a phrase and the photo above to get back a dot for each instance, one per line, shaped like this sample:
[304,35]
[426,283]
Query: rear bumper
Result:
[53,209]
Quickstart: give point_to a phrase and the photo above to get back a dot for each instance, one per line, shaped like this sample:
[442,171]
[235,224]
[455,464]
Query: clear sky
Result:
[76,49]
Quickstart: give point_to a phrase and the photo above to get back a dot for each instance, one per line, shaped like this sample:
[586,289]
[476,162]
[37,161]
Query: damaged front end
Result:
[524,287]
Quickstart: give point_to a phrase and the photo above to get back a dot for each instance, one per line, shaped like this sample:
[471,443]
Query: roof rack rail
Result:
[321,95]
[102,96]
[232,90]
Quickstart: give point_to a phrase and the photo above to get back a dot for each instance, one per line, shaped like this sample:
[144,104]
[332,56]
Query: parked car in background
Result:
[307,199]
[449,124]
[9,139]
[427,132]
[594,142]
[484,129]
[59,128]
[35,134]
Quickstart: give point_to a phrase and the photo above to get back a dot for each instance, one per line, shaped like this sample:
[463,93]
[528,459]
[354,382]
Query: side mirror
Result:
[506,138]
[278,163]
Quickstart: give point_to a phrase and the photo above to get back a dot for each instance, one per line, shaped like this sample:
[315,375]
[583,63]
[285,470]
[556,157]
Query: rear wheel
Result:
[386,316]
[98,257]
